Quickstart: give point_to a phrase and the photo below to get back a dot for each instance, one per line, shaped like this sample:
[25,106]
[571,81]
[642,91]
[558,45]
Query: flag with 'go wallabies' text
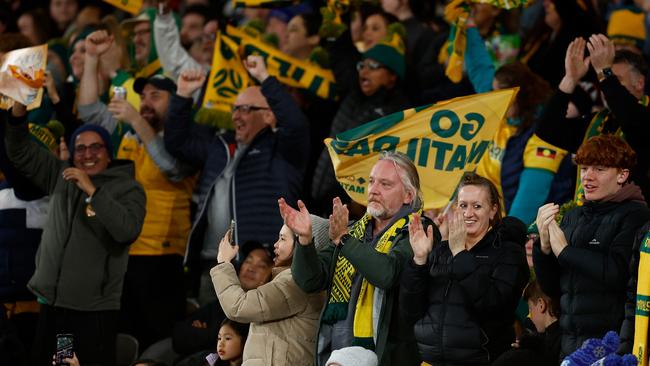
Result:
[444,140]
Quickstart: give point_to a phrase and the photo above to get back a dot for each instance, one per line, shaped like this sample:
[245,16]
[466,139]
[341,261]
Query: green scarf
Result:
[337,306]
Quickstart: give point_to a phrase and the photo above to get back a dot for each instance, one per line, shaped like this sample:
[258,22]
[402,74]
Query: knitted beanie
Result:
[626,27]
[390,51]
[353,356]
[592,350]
[101,131]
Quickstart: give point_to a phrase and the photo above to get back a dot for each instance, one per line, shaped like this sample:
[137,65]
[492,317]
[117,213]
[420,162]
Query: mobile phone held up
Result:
[64,348]
[231,233]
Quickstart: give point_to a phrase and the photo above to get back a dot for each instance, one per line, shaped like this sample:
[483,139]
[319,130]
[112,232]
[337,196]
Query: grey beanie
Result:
[353,356]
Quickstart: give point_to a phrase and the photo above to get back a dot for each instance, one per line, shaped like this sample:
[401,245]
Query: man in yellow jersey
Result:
[153,295]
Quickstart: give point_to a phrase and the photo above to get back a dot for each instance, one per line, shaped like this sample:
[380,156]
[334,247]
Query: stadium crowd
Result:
[149,226]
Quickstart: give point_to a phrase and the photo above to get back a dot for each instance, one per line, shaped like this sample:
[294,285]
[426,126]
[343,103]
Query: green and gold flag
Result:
[130,6]
[289,70]
[228,76]
[263,3]
[444,140]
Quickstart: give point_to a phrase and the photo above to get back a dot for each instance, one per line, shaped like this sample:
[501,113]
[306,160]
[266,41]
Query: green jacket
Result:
[313,271]
[81,261]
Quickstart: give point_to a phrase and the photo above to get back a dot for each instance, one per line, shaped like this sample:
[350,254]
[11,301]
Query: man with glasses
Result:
[155,271]
[243,172]
[96,212]
[144,55]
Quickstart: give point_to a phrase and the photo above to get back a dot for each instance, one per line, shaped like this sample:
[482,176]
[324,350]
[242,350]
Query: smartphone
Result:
[64,348]
[231,233]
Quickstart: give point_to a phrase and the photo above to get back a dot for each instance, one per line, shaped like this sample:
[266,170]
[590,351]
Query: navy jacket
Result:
[272,166]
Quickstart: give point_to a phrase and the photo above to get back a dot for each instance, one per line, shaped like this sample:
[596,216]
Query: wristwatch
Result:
[605,73]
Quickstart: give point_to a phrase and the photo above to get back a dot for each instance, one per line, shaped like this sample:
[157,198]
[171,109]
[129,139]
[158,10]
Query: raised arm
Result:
[276,300]
[174,58]
[478,64]
[183,139]
[38,165]
[91,110]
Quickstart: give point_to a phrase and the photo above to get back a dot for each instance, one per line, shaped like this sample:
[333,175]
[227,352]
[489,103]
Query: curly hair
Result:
[606,150]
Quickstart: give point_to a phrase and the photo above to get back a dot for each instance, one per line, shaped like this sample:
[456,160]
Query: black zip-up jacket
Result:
[590,275]
[463,307]
[272,166]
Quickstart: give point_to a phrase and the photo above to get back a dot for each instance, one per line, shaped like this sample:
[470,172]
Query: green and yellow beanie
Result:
[390,51]
[626,27]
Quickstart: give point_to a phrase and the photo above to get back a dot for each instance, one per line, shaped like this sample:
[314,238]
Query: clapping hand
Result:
[457,232]
[298,221]
[557,238]
[576,65]
[338,221]
[421,241]
[545,215]
[601,51]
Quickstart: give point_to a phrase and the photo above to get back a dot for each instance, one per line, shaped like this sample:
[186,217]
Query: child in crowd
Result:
[543,347]
[230,344]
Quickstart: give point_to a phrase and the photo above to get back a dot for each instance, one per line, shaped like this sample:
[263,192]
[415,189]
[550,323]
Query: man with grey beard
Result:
[155,271]
[369,255]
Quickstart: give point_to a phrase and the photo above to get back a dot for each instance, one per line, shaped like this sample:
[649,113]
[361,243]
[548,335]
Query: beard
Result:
[154,120]
[376,212]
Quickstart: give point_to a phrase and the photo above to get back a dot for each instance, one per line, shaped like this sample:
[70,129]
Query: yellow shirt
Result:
[167,223]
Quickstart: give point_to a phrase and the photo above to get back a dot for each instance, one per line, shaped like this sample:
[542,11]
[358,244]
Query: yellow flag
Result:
[262,3]
[228,77]
[289,70]
[444,140]
[22,75]
[130,6]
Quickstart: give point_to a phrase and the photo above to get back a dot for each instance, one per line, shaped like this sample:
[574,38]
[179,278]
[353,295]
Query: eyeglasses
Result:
[246,108]
[94,148]
[370,64]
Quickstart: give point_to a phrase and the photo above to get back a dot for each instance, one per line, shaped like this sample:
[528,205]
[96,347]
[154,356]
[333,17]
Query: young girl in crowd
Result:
[230,344]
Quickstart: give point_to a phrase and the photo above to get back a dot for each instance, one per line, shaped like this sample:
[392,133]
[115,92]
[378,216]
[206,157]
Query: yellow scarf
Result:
[342,285]
[642,304]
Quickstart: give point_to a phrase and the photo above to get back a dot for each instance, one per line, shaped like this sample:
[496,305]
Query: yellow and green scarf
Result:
[337,306]
[642,304]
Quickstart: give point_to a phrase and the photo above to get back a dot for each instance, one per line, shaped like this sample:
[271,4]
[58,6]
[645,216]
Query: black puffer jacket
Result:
[591,273]
[463,307]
